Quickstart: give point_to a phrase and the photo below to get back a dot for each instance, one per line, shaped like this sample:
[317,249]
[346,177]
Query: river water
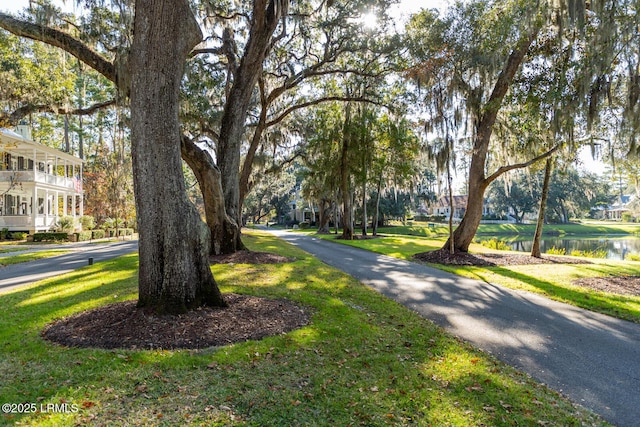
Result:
[616,247]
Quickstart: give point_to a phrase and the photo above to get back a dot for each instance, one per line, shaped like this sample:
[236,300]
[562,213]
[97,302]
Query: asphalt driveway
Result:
[591,358]
[16,275]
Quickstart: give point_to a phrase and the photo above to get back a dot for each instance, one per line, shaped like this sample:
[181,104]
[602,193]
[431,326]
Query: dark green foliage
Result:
[50,237]
[83,236]
[97,234]
[18,235]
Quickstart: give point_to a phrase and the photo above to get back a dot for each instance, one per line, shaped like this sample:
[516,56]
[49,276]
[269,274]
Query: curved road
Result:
[16,275]
[591,358]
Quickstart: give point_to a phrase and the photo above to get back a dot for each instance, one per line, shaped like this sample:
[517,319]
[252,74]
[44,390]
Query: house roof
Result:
[13,142]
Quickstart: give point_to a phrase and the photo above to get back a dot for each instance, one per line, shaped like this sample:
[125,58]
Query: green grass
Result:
[551,280]
[555,281]
[7,250]
[364,360]
[30,256]
[583,228]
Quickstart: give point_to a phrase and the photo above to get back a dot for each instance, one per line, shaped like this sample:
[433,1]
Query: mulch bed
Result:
[123,325]
[622,285]
[442,256]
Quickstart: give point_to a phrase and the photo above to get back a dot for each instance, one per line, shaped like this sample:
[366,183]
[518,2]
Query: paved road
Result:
[16,275]
[591,358]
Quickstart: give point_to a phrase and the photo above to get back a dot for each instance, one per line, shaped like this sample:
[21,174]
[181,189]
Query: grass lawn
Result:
[364,360]
[12,249]
[573,229]
[552,280]
[30,256]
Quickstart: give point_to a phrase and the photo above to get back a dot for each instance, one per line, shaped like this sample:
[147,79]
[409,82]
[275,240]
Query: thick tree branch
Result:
[15,117]
[61,40]
[504,169]
[302,105]
[213,51]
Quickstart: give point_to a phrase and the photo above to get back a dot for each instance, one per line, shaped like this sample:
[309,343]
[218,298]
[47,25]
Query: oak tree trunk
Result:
[266,15]
[535,247]
[174,274]
[325,208]
[345,184]
[376,214]
[478,183]
[221,226]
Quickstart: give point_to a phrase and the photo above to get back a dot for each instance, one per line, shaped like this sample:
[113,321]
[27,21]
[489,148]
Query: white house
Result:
[38,184]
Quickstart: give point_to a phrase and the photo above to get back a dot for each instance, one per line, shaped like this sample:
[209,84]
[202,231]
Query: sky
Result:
[405,6]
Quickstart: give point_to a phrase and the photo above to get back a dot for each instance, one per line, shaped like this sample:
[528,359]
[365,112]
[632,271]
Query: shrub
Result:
[596,253]
[556,251]
[632,257]
[50,237]
[87,222]
[4,233]
[97,234]
[496,244]
[125,232]
[66,224]
[304,225]
[18,235]
[83,236]
[113,223]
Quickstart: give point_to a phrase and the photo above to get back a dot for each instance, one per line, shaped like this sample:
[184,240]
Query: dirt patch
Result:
[123,325]
[361,237]
[622,285]
[250,257]
[441,256]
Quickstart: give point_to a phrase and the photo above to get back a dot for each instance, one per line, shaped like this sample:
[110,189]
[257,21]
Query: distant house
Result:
[443,207]
[616,210]
[38,184]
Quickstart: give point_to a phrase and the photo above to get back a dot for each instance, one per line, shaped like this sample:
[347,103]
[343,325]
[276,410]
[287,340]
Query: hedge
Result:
[83,236]
[50,237]
[97,234]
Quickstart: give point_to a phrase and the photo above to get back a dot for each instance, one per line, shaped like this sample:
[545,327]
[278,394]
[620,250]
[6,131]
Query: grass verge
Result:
[364,360]
[31,256]
[573,229]
[551,280]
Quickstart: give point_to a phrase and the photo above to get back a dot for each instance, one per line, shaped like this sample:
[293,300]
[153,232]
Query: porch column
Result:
[46,208]
[34,207]
[81,192]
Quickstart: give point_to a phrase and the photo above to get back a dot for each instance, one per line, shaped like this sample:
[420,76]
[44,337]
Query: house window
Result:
[5,161]
[41,205]
[9,204]
[20,163]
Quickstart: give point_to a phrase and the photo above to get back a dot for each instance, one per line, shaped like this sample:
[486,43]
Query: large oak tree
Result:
[174,274]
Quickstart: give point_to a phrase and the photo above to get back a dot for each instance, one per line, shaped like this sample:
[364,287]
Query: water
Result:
[616,247]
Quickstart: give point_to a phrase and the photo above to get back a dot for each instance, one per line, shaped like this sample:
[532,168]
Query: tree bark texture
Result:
[325,207]
[345,184]
[374,224]
[221,226]
[266,16]
[535,247]
[174,274]
[478,183]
